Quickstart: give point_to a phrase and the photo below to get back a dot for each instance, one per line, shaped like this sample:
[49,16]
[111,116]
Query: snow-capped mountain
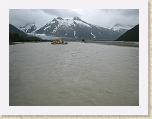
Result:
[120,27]
[29,27]
[77,28]
[73,28]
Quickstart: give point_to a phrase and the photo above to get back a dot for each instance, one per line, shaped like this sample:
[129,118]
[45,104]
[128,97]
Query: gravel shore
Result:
[118,43]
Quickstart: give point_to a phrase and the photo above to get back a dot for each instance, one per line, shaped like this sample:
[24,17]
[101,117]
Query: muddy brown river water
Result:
[76,74]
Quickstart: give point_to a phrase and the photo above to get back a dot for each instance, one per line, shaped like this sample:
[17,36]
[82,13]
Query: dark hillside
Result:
[13,29]
[15,35]
[130,35]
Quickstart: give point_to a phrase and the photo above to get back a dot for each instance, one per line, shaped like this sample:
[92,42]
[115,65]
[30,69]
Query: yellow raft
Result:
[59,42]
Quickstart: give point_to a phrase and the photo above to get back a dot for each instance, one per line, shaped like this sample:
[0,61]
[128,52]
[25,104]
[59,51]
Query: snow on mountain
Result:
[118,27]
[29,27]
[74,28]
[63,27]
[65,22]
[82,24]
[93,35]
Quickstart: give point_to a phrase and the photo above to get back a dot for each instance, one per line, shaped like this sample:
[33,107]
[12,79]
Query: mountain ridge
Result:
[130,35]
[16,35]
[75,28]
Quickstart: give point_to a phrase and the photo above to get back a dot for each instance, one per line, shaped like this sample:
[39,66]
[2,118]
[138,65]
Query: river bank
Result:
[118,43]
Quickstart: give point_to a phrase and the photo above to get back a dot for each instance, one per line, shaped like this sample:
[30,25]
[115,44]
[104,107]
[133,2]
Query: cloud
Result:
[61,12]
[133,12]
[110,17]
[100,17]
[20,17]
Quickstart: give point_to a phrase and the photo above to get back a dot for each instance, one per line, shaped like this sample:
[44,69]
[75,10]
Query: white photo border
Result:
[142,109]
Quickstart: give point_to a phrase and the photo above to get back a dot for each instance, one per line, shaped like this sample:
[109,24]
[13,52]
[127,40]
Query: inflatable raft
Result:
[59,42]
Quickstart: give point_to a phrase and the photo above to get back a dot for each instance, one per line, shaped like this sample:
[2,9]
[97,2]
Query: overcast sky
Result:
[100,17]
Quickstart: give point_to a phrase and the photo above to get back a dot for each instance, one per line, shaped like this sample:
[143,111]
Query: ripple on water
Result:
[74,74]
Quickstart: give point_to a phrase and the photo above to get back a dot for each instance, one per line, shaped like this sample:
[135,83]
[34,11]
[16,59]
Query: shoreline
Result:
[118,43]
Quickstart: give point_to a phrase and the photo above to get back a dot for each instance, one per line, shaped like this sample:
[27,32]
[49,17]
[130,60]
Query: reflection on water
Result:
[77,74]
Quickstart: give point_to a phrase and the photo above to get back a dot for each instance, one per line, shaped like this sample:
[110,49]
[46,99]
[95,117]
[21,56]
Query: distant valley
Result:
[70,29]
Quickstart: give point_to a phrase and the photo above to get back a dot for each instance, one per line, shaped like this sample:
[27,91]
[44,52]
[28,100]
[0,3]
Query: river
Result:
[76,74]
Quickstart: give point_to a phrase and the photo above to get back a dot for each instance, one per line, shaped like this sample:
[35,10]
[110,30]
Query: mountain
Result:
[121,28]
[29,27]
[13,29]
[118,27]
[130,35]
[18,36]
[77,28]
